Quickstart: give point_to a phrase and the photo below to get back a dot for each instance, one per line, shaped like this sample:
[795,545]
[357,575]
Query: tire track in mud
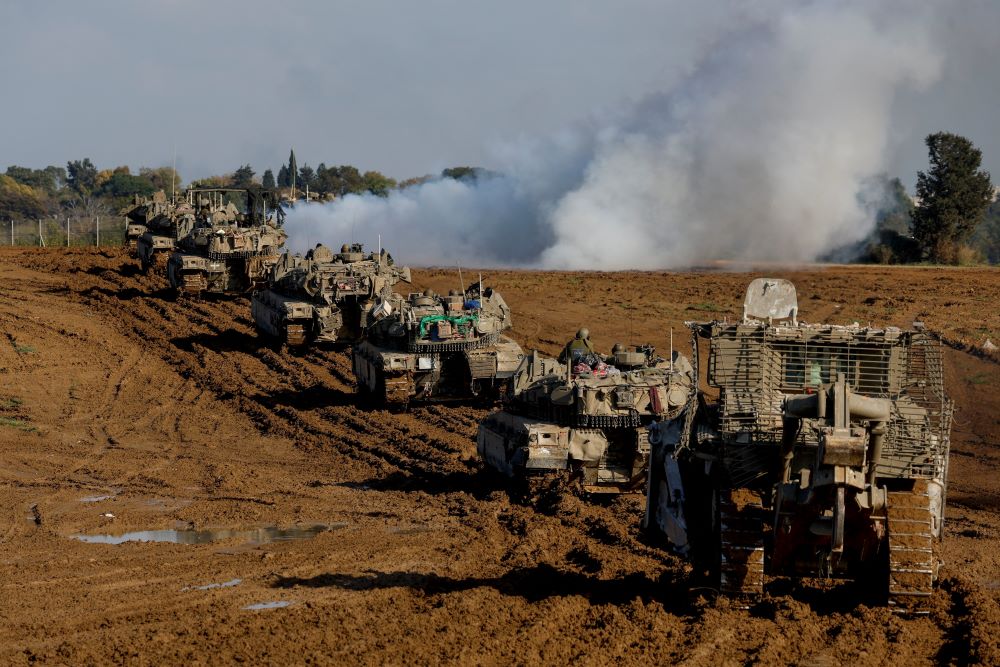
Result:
[211,342]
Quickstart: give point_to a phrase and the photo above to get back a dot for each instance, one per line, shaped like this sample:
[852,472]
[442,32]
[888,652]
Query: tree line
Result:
[954,217]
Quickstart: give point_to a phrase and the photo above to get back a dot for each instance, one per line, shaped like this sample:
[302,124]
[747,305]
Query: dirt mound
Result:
[126,410]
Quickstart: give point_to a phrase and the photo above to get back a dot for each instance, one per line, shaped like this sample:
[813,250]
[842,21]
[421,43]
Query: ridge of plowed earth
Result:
[176,413]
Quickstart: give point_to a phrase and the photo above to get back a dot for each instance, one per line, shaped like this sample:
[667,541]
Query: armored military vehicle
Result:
[430,347]
[824,453]
[154,224]
[230,248]
[322,296]
[585,420]
[139,212]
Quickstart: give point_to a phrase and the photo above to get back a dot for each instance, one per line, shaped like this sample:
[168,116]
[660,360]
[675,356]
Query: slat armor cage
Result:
[755,365]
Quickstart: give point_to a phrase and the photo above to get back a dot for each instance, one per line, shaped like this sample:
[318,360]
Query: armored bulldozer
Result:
[824,453]
[586,420]
[431,347]
[230,249]
[322,296]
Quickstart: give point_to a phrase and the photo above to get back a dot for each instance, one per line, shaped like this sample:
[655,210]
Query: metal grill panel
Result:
[756,366]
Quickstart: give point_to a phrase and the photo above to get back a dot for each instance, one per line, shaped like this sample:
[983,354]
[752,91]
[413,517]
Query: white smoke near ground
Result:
[761,154]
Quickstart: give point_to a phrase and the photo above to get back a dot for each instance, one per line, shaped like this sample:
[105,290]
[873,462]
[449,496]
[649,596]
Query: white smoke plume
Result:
[760,154]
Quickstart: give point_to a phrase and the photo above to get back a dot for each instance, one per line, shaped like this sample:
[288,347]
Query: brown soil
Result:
[176,413]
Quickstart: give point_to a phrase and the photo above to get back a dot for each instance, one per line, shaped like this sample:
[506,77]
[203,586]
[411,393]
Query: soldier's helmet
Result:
[428,292]
[345,248]
[583,334]
[618,348]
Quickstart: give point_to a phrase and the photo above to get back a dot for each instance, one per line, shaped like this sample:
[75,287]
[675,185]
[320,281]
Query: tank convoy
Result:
[586,418]
[322,297]
[432,347]
[229,249]
[778,448]
[824,453]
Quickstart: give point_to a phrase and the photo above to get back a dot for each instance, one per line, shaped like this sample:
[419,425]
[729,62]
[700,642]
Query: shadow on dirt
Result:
[471,482]
[128,270]
[229,340]
[308,398]
[823,597]
[130,293]
[534,584]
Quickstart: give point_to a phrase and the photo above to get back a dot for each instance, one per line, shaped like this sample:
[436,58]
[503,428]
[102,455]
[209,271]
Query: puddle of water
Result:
[189,536]
[208,587]
[276,604]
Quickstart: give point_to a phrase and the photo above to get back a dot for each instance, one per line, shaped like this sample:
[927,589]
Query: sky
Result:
[635,134]
[406,88]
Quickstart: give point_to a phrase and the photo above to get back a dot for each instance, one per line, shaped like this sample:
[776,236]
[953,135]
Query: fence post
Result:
[67,231]
[12,232]
[41,239]
[98,231]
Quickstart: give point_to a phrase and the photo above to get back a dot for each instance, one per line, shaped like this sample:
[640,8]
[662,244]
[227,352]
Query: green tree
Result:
[416,180]
[283,179]
[340,181]
[896,212]
[49,179]
[124,184]
[293,168]
[953,194]
[18,200]
[378,184]
[460,173]
[986,238]
[268,179]
[243,177]
[306,177]
[163,178]
[81,176]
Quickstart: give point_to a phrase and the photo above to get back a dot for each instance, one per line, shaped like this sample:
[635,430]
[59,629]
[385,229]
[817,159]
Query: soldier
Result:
[578,347]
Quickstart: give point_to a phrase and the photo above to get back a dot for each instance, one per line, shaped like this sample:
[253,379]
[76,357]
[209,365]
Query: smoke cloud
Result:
[761,153]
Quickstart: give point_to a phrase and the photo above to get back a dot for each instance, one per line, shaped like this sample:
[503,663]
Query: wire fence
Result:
[64,232]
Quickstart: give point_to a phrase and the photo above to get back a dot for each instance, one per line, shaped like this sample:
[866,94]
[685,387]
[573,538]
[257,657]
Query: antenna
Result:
[460,280]
[671,349]
[173,176]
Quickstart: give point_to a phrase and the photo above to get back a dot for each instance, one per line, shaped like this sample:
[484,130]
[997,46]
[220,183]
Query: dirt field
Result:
[121,410]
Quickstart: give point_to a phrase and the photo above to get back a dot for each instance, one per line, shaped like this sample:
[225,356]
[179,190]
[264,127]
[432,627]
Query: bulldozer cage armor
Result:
[756,366]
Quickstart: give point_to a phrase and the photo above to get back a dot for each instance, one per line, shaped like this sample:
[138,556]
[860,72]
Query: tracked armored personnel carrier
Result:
[230,249]
[586,420]
[824,453]
[432,347]
[322,296]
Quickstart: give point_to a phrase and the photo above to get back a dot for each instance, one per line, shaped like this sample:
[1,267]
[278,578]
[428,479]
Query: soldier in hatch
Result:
[578,347]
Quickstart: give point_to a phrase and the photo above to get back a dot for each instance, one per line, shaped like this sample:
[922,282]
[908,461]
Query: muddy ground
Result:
[122,410]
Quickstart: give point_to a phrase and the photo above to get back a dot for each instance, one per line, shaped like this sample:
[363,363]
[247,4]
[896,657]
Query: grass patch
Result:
[11,404]
[19,424]
[20,348]
[706,306]
[979,378]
